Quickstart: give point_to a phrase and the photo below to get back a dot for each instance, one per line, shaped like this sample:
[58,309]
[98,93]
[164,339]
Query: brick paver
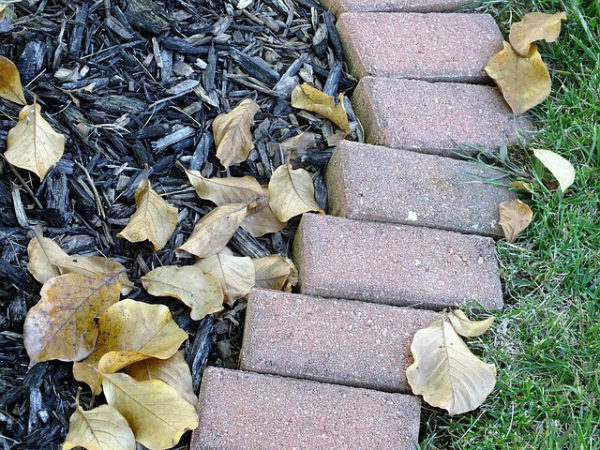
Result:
[433,47]
[434,117]
[242,410]
[395,264]
[369,182]
[339,6]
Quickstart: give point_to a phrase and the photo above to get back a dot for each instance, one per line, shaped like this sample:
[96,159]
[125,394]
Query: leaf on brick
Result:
[308,98]
[535,26]
[515,216]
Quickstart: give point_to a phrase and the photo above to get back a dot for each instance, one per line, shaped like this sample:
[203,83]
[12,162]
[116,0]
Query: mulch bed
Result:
[134,86]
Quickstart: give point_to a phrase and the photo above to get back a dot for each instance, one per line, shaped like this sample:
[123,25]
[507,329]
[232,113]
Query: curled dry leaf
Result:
[533,27]
[446,373]
[307,97]
[154,219]
[561,168]
[154,410]
[10,82]
[222,191]
[275,272]
[33,144]
[63,323]
[524,82]
[232,133]
[43,254]
[260,219]
[291,192]
[468,328]
[515,216]
[191,285]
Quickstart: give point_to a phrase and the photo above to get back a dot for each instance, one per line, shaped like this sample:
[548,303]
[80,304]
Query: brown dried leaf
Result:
[515,216]
[533,27]
[275,272]
[307,97]
[468,328]
[43,254]
[232,133]
[10,82]
[221,191]
[291,192]
[33,144]
[260,219]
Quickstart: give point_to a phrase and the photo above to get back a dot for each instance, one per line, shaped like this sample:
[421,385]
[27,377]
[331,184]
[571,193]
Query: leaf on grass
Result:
[524,82]
[63,323]
[308,98]
[468,328]
[515,216]
[275,272]
[154,410]
[260,219]
[234,273]
[212,233]
[33,144]
[154,219]
[533,27]
[561,168]
[10,82]
[42,255]
[221,191]
[191,285]
[291,192]
[232,133]
[446,373]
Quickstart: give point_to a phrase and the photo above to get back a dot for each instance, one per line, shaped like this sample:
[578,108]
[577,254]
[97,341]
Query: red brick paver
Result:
[339,6]
[433,47]
[242,410]
[335,341]
[369,182]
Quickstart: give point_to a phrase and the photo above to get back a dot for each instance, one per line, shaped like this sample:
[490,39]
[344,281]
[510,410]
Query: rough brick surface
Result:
[435,118]
[391,185]
[395,264]
[335,341]
[433,47]
[241,410]
[340,6]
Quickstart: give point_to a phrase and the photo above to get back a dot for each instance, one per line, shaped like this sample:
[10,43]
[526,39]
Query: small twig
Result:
[93,187]
[23,183]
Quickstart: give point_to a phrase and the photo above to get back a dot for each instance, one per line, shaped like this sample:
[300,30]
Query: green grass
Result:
[546,341]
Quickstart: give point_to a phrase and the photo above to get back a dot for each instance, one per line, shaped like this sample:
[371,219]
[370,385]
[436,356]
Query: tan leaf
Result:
[63,323]
[446,373]
[10,82]
[274,272]
[468,328]
[212,233]
[524,82]
[43,254]
[221,191]
[260,219]
[95,265]
[33,144]
[191,285]
[533,27]
[307,97]
[154,410]
[235,273]
[154,219]
[298,146]
[291,192]
[561,168]
[515,216]
[232,133]
[174,371]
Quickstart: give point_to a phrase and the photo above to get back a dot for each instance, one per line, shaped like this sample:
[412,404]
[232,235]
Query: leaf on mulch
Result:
[533,27]
[308,98]
[43,253]
[466,327]
[515,216]
[275,272]
[260,219]
[10,82]
[291,193]
[561,168]
[95,265]
[221,191]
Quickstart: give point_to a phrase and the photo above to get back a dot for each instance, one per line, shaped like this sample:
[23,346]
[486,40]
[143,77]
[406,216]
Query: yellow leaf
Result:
[221,191]
[154,219]
[561,168]
[235,273]
[43,254]
[33,144]
[191,285]
[275,272]
[95,265]
[232,133]
[533,27]
[446,373]
[311,99]
[468,328]
[212,233]
[260,219]
[515,216]
[154,410]
[524,82]
[291,192]
[63,323]
[10,82]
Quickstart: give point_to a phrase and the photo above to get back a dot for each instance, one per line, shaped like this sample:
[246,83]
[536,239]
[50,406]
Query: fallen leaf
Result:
[232,133]
[524,82]
[561,168]
[154,410]
[154,219]
[298,146]
[446,373]
[212,233]
[468,328]
[533,27]
[32,144]
[515,216]
[62,325]
[10,82]
[522,186]
[260,219]
[274,272]
[42,255]
[291,192]
[234,273]
[222,191]
[308,98]
[191,285]
[95,265]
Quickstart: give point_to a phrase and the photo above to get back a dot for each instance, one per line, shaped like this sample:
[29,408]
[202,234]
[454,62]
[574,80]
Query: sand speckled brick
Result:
[339,6]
